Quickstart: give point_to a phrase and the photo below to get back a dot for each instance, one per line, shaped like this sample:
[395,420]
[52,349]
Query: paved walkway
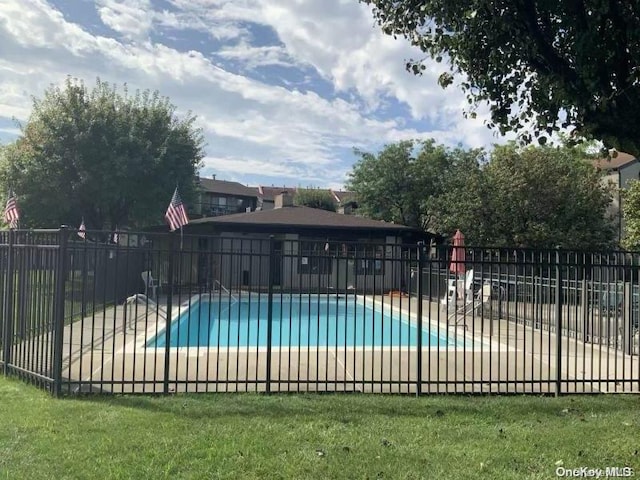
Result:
[108,352]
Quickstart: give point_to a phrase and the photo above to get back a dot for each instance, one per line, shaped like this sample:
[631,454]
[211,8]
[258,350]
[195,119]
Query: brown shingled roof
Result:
[269,193]
[343,197]
[301,217]
[225,187]
[620,161]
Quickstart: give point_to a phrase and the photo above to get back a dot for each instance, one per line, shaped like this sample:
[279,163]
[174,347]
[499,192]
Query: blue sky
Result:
[283,89]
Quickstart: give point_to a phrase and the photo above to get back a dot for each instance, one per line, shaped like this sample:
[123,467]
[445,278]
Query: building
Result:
[266,195]
[618,172]
[221,197]
[296,248]
[345,201]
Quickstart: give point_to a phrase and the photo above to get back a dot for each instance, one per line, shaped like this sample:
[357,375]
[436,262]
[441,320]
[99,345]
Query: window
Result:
[314,258]
[369,260]
[219,205]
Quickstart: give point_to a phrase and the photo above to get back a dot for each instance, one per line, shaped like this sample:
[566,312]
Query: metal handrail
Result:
[144,299]
[222,287]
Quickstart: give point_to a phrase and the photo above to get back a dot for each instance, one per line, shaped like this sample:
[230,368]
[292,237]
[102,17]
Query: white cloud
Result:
[340,40]
[222,30]
[251,127]
[253,57]
[11,132]
[131,18]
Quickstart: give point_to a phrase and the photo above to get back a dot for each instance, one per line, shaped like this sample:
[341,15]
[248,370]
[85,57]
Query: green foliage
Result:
[385,184]
[315,198]
[296,436]
[463,200]
[401,183]
[535,197]
[631,214]
[547,197]
[109,157]
[580,58]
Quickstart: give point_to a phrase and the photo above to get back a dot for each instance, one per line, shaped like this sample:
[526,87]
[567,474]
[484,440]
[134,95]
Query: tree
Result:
[400,183]
[463,202]
[385,184]
[534,60]
[548,197]
[539,197]
[315,198]
[631,214]
[109,157]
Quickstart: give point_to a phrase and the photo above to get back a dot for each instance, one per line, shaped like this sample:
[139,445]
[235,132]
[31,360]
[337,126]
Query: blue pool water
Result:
[305,321]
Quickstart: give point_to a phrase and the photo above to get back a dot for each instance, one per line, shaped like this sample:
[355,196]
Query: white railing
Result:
[225,289]
[141,299]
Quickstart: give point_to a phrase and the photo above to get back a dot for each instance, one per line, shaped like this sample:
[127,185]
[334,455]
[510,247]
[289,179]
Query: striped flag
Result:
[82,230]
[11,214]
[176,214]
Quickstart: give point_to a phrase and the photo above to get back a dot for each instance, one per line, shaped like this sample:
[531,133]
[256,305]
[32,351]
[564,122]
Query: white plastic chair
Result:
[468,287]
[458,289]
[450,299]
[149,284]
[475,305]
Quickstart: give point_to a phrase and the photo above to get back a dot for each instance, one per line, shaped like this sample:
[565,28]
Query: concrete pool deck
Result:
[497,356]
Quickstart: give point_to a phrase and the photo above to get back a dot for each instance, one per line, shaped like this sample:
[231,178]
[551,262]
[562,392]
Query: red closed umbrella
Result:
[457,256]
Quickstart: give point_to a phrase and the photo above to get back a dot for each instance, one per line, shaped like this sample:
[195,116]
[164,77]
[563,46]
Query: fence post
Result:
[537,302]
[22,287]
[558,325]
[627,318]
[420,295]
[167,328]
[7,340]
[584,306]
[85,281]
[58,338]
[270,309]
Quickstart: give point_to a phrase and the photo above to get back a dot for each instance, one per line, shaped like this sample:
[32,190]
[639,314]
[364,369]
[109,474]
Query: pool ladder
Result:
[141,298]
[225,289]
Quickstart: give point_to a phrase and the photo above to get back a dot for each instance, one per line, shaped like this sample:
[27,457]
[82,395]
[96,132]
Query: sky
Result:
[284,90]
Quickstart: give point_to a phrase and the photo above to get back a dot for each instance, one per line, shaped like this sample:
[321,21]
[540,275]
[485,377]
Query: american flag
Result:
[82,230]
[176,214]
[11,214]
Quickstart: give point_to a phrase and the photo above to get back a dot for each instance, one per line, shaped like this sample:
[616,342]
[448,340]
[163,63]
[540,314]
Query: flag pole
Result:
[181,236]
[176,215]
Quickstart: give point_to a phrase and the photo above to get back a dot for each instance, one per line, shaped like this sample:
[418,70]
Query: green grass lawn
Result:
[311,436]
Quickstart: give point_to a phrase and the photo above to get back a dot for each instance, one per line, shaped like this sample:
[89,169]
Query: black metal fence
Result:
[159,313]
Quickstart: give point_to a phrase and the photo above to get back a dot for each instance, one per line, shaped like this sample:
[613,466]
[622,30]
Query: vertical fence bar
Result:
[627,318]
[584,305]
[270,309]
[419,287]
[558,316]
[8,313]
[58,340]
[167,328]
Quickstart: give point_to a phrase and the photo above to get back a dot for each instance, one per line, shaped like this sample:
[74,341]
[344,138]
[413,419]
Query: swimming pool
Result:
[298,321]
